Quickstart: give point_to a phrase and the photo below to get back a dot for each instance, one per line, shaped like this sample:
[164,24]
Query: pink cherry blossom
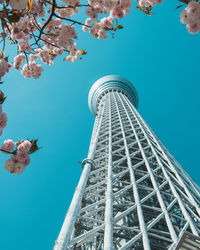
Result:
[107,22]
[85,28]
[193,27]
[191,17]
[3,120]
[10,165]
[19,168]
[148,3]
[19,59]
[21,156]
[8,145]
[27,161]
[117,11]
[26,145]
[18,4]
[19,150]
[41,36]
[4,67]
[88,21]
[14,166]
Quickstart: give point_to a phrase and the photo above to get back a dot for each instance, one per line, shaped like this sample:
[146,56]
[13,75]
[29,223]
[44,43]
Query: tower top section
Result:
[107,83]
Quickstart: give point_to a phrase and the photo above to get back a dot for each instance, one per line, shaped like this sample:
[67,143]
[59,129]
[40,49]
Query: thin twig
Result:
[4,43]
[70,20]
[5,151]
[45,42]
[48,20]
[26,58]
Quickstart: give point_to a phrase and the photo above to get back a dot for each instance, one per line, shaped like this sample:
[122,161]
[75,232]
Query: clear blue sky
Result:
[162,61]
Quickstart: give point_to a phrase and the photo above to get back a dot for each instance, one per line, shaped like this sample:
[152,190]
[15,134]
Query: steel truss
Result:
[132,194]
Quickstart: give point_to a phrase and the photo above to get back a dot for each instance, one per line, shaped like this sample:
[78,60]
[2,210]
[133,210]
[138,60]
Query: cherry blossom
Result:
[43,30]
[22,156]
[4,67]
[191,17]
[19,152]
[3,120]
[26,145]
[10,165]
[18,4]
[7,146]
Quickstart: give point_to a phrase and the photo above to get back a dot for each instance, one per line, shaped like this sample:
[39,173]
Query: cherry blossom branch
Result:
[20,152]
[70,20]
[8,152]
[25,53]
[56,36]
[39,29]
[4,44]
[68,7]
[34,37]
[36,43]
[20,23]
[48,20]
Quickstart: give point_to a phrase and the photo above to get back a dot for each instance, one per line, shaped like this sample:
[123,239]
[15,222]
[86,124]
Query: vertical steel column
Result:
[70,218]
[135,191]
[108,235]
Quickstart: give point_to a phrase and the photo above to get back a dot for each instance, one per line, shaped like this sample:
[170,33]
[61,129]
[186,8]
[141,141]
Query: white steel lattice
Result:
[132,193]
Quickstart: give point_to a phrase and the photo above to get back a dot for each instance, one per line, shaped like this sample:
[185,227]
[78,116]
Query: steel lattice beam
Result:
[132,193]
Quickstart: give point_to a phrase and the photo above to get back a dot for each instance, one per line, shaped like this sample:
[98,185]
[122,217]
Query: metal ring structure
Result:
[107,83]
[85,161]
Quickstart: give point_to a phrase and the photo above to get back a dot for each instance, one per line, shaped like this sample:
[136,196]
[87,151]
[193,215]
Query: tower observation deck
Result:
[132,193]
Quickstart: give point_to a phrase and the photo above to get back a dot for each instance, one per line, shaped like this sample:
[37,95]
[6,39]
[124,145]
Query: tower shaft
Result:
[132,193]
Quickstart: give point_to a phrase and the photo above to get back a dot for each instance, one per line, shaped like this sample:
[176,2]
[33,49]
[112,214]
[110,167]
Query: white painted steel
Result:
[143,228]
[187,216]
[133,194]
[164,209]
[161,147]
[108,235]
[174,169]
[67,227]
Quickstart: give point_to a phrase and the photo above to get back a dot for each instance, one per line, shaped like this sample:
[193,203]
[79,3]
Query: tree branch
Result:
[5,151]
[48,20]
[71,20]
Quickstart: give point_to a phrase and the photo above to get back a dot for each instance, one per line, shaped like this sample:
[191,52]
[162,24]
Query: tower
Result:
[132,193]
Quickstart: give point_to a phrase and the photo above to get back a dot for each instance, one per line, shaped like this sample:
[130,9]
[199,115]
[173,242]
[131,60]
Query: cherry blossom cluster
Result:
[43,29]
[19,158]
[3,120]
[4,67]
[32,69]
[98,28]
[58,40]
[19,151]
[69,12]
[191,17]
[148,3]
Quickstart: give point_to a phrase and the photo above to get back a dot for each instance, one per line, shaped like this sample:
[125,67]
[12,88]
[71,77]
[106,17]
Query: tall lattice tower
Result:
[132,193]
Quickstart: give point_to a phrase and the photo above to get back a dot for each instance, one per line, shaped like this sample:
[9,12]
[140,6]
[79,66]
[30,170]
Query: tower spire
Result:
[132,193]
